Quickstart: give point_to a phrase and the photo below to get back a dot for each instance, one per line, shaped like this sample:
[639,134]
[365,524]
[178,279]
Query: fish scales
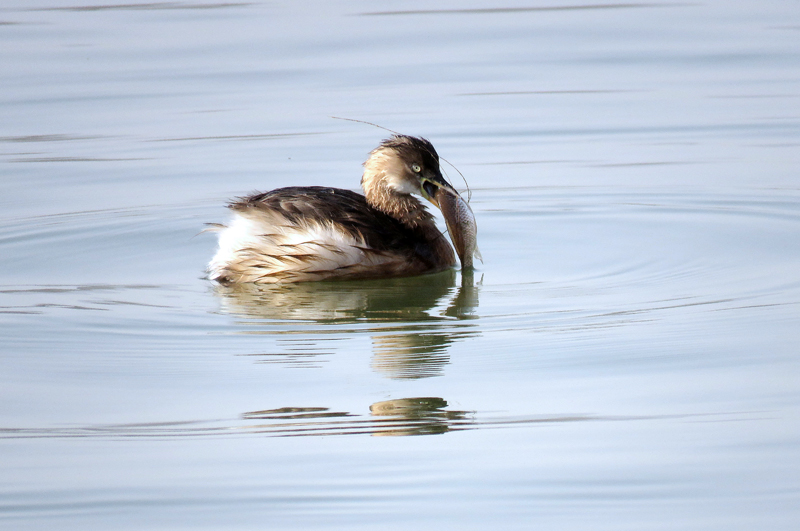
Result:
[462,227]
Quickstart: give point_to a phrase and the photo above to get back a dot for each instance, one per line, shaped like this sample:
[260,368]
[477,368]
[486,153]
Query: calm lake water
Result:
[626,357]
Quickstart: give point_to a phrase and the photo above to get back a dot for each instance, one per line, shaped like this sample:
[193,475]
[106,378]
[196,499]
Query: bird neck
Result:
[381,189]
[403,207]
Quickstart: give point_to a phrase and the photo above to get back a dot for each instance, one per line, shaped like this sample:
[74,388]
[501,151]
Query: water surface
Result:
[625,358]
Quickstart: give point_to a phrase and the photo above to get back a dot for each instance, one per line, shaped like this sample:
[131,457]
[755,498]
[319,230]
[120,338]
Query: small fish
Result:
[461,225]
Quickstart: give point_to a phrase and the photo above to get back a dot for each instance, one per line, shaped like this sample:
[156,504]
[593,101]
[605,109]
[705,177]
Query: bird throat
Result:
[403,207]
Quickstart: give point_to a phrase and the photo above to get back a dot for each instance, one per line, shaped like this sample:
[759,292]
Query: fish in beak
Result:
[457,215]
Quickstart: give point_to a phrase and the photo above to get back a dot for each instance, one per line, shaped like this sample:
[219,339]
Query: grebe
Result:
[300,234]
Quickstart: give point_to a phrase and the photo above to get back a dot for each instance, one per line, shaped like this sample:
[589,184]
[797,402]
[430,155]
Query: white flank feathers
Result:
[269,248]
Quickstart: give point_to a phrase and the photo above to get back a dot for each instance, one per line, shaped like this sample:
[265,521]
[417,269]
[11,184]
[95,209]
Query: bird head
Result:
[405,165]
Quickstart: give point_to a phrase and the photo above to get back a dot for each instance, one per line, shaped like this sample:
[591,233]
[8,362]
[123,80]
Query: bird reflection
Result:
[398,417]
[412,321]
[416,416]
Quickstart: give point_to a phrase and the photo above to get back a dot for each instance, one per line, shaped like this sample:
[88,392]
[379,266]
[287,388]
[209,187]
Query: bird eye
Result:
[415,168]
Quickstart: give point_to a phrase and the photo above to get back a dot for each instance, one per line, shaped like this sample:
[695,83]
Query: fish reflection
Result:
[398,417]
[412,321]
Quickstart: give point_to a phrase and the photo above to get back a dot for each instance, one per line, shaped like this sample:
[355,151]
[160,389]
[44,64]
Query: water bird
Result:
[299,234]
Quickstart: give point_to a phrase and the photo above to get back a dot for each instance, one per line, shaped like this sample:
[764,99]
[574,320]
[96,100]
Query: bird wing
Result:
[313,233]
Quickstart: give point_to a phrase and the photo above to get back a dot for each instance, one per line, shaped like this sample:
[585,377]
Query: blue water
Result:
[625,358]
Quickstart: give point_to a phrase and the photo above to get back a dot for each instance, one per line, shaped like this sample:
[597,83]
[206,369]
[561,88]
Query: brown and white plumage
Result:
[301,234]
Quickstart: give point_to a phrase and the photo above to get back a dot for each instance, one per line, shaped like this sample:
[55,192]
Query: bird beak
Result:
[434,185]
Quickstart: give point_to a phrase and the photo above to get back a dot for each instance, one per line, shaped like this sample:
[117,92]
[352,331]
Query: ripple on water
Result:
[673,272]
[558,261]
[397,417]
